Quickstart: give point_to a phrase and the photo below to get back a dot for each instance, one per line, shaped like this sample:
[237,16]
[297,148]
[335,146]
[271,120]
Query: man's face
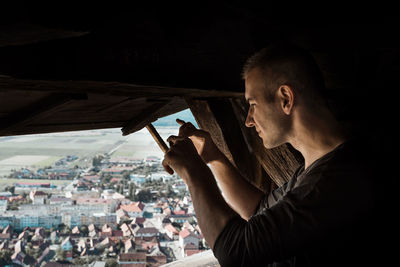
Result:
[267,117]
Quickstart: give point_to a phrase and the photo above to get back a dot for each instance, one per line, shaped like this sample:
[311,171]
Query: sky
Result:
[185,115]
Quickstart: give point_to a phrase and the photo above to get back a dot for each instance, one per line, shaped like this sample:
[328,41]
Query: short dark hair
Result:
[285,63]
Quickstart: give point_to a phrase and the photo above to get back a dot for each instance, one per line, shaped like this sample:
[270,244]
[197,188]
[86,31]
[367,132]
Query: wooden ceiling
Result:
[66,66]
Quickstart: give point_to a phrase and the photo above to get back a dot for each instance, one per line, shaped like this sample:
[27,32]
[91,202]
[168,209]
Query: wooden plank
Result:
[281,162]
[8,83]
[35,111]
[147,116]
[160,142]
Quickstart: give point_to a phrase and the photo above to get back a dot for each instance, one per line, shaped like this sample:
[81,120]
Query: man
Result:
[324,216]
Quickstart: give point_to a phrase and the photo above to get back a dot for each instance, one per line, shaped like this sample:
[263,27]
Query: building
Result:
[134,209]
[60,200]
[164,176]
[134,257]
[67,244]
[171,231]
[3,205]
[38,197]
[188,237]
[147,232]
[108,205]
[138,179]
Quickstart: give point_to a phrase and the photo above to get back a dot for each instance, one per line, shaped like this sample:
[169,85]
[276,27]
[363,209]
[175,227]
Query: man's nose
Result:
[249,120]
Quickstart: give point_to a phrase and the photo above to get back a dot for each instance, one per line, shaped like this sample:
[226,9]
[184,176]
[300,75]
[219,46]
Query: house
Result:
[171,231]
[39,232]
[106,229]
[75,230]
[146,243]
[139,221]
[155,257]
[81,245]
[188,226]
[92,178]
[18,258]
[190,249]
[188,237]
[134,257]
[60,200]
[126,230]
[111,194]
[138,179]
[129,246]
[121,215]
[67,244]
[147,232]
[38,197]
[164,176]
[4,245]
[106,242]
[115,180]
[23,235]
[108,205]
[8,230]
[134,209]
[181,218]
[3,205]
[19,246]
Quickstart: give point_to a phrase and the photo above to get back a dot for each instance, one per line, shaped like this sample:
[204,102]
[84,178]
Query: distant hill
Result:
[170,120]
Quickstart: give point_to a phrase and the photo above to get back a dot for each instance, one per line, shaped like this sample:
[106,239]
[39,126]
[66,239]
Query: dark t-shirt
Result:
[325,215]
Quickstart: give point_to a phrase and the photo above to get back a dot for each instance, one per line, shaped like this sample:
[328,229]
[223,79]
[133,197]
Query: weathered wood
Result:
[217,117]
[140,121]
[281,162]
[160,142]
[38,110]
[107,88]
[24,33]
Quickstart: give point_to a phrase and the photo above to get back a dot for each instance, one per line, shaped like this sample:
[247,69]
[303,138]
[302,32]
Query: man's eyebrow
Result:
[249,99]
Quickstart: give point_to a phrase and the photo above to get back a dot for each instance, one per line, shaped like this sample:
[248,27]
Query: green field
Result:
[4,182]
[36,151]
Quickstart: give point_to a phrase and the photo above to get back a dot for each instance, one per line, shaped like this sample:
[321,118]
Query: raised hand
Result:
[201,139]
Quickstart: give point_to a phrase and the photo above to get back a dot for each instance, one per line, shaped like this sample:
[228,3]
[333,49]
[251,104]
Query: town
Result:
[120,211]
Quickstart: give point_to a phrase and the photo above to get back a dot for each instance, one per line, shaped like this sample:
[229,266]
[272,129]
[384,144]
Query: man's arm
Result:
[212,212]
[241,195]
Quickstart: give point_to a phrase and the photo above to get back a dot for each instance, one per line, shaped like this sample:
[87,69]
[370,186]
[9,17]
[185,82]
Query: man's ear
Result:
[286,96]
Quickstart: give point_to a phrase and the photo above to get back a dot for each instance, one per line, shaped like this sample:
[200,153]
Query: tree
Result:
[60,254]
[144,195]
[132,188]
[84,230]
[5,257]
[97,160]
[10,189]
[111,263]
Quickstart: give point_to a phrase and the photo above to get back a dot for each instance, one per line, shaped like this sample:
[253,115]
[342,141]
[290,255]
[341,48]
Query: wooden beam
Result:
[8,83]
[281,162]
[38,110]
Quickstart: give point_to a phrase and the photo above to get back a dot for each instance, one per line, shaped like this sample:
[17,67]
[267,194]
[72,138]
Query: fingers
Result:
[167,168]
[173,139]
[180,122]
[187,128]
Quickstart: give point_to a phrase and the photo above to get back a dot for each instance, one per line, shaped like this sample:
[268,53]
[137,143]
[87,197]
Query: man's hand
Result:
[181,157]
[202,140]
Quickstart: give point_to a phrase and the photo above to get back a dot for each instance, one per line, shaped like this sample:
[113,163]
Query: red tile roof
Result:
[133,207]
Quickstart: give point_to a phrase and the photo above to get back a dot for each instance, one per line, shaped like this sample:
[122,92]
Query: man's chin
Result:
[269,145]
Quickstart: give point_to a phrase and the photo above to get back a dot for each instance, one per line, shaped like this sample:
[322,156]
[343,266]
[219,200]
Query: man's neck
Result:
[316,137]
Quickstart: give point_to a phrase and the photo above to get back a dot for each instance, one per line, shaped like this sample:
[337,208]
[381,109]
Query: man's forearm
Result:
[212,212]
[241,195]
